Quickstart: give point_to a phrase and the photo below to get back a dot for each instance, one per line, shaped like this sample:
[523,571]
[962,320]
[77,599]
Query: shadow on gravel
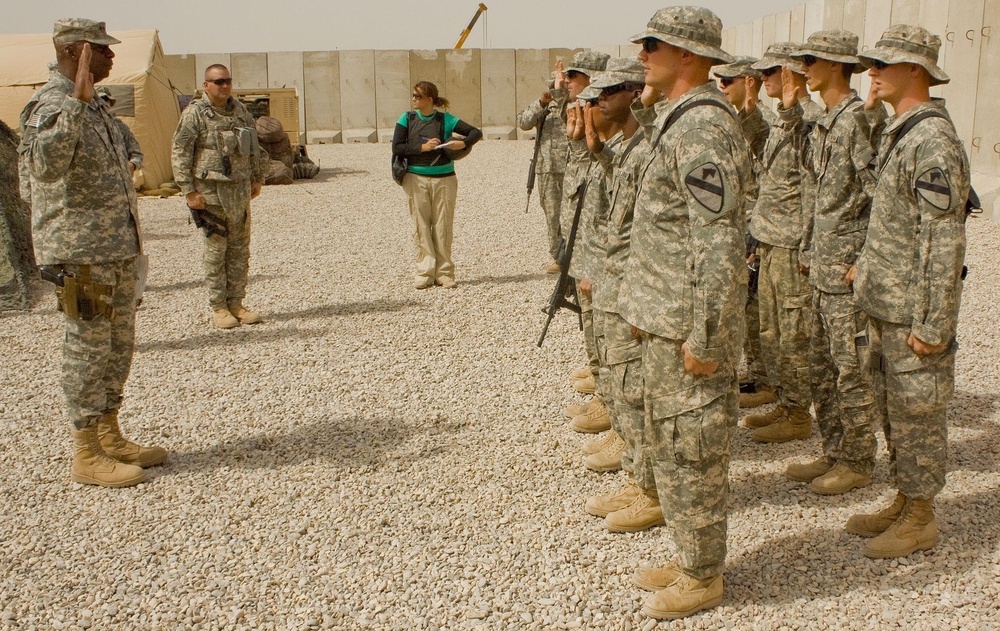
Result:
[326,174]
[344,309]
[754,576]
[165,236]
[347,443]
[200,282]
[513,278]
[235,337]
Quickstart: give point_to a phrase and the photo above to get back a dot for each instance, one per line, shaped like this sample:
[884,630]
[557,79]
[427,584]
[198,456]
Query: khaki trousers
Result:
[432,208]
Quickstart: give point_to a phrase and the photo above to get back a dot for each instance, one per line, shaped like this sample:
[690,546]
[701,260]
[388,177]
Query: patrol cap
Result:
[780,54]
[69,30]
[833,45]
[588,62]
[620,70]
[903,44]
[741,67]
[589,93]
[695,29]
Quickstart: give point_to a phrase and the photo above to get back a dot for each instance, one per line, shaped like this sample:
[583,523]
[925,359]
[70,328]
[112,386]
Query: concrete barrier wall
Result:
[357,95]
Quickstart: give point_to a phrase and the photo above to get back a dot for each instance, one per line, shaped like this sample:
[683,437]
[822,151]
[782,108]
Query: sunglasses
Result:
[770,71]
[221,82]
[808,60]
[727,81]
[417,97]
[649,45]
[572,74]
[615,89]
[880,65]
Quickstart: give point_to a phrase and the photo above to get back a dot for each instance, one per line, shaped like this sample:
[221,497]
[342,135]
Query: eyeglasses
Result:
[221,82]
[417,97]
[879,65]
[649,45]
[615,89]
[808,60]
[573,74]
[770,71]
[727,81]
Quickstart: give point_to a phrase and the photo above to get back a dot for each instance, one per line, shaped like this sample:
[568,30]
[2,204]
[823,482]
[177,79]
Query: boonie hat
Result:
[780,54]
[69,30]
[588,62]
[903,44]
[695,29]
[741,67]
[620,70]
[833,45]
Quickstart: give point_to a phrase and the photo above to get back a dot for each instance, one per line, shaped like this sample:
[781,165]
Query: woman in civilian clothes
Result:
[430,181]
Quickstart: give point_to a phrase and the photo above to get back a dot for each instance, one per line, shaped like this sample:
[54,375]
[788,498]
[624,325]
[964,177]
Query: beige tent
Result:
[138,82]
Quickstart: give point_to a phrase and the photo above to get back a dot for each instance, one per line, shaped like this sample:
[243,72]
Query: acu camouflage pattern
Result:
[589,253]
[552,154]
[909,281]
[686,281]
[84,213]
[83,204]
[204,136]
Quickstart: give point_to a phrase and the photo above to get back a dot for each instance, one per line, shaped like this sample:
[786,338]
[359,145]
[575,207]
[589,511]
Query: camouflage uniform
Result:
[778,223]
[85,218]
[202,146]
[686,281]
[910,275]
[840,148]
[551,166]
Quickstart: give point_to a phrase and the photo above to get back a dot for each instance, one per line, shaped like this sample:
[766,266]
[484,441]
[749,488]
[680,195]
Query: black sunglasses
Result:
[808,60]
[879,65]
[573,74]
[727,81]
[770,71]
[615,89]
[226,81]
[649,45]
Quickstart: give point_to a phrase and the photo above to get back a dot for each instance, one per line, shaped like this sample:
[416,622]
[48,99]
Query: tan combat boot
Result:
[552,268]
[224,319]
[761,395]
[756,421]
[872,525]
[797,425]
[594,421]
[916,529]
[609,458]
[121,449]
[587,385]
[598,444]
[642,514]
[685,596]
[839,480]
[581,373]
[653,578]
[241,313]
[92,466]
[808,471]
[603,505]
[581,408]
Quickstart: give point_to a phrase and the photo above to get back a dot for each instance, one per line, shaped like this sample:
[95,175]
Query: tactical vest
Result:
[418,130]
[226,149]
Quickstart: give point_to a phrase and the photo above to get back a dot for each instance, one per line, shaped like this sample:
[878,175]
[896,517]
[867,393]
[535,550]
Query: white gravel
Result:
[374,457]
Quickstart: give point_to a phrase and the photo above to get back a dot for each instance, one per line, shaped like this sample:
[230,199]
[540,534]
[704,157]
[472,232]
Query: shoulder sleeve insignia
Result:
[705,184]
[934,188]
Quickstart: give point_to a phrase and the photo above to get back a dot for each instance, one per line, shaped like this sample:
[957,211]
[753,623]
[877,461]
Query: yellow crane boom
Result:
[468,29]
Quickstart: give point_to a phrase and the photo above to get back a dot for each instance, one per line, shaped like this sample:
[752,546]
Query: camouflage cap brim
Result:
[590,93]
[835,57]
[773,62]
[611,79]
[897,56]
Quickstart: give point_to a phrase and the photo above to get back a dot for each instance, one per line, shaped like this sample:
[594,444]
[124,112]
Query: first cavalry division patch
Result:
[933,186]
[705,183]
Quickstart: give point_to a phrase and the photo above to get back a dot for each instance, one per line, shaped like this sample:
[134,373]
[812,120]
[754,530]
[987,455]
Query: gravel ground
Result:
[374,457]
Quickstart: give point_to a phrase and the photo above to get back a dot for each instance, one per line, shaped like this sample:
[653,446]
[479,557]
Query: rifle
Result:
[534,157]
[565,285]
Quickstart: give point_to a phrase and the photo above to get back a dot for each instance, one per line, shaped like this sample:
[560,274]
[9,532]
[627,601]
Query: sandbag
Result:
[278,173]
[304,170]
[270,130]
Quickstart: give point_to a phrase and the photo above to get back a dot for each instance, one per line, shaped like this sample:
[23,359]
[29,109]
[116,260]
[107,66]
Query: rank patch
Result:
[933,186]
[705,183]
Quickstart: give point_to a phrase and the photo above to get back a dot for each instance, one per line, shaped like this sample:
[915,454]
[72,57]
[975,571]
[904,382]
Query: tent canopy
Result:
[138,81]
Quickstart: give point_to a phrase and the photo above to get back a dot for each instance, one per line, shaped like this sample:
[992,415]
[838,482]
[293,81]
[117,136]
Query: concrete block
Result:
[324,137]
[814,16]
[756,38]
[963,52]
[385,136]
[392,88]
[249,70]
[797,24]
[532,72]
[500,133]
[878,16]
[613,50]
[985,153]
[782,27]
[769,25]
[357,94]
[321,76]
[630,50]
[204,60]
[498,90]
[354,136]
[284,70]
[526,135]
[463,84]
[905,12]
[744,39]
[833,14]
[428,65]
